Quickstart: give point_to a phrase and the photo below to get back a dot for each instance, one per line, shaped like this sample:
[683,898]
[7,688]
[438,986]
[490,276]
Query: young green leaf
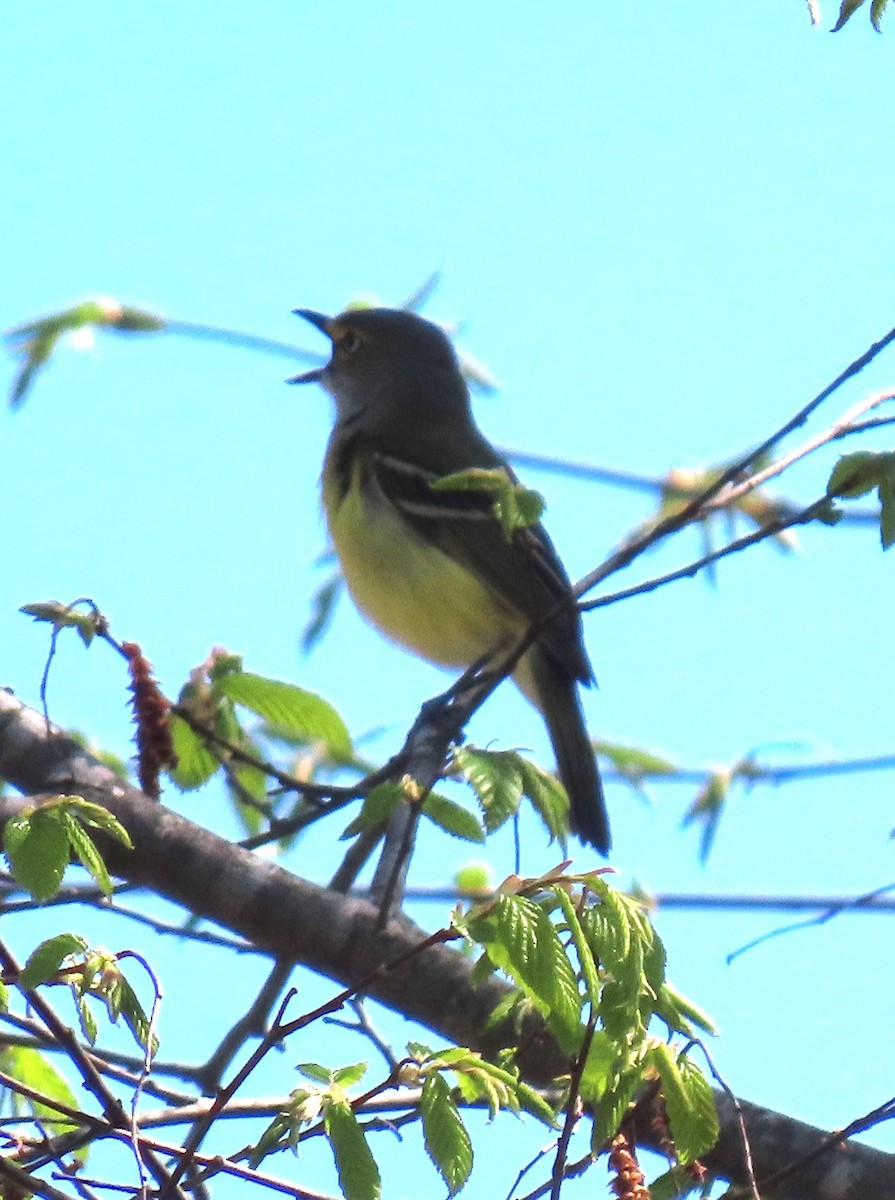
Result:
[33,1069]
[548,797]
[610,1112]
[355,1165]
[376,808]
[196,763]
[36,848]
[346,1077]
[453,818]
[46,959]
[316,1072]
[676,1184]
[445,1136]
[86,852]
[290,708]
[688,1101]
[521,940]
[495,778]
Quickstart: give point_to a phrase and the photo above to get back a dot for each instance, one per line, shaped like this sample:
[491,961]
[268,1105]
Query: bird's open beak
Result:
[319,321]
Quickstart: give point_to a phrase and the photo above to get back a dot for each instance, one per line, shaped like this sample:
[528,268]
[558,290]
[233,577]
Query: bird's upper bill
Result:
[324,324]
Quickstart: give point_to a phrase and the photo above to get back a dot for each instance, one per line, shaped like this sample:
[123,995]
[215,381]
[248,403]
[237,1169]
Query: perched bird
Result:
[435,570]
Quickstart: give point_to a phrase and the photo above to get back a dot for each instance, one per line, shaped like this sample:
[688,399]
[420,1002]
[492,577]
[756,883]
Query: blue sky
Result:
[663,228]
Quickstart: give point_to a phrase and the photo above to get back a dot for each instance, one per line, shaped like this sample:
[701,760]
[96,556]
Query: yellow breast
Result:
[409,589]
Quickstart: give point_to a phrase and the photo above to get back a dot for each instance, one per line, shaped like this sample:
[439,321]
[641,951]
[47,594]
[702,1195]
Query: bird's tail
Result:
[554,691]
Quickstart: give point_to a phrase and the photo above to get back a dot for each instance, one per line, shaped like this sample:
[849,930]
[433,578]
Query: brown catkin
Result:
[628,1180]
[155,748]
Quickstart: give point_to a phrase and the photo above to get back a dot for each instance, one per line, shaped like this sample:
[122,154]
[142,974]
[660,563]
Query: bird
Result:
[436,570]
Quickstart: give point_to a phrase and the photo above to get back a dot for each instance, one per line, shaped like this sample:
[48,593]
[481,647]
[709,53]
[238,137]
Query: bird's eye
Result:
[350,342]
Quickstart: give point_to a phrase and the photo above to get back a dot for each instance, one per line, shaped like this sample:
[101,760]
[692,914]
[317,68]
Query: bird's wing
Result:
[523,569]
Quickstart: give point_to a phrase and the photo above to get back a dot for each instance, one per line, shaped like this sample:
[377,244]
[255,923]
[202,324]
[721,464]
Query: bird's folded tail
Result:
[555,693]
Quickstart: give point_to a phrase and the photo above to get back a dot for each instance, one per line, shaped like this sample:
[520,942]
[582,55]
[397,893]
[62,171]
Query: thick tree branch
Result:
[338,937]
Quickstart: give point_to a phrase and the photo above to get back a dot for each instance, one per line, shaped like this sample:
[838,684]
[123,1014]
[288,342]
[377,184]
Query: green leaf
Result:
[495,778]
[46,959]
[87,1021]
[86,852]
[600,1066]
[688,1102]
[355,1165]
[296,711]
[708,807]
[323,606]
[856,474]
[637,764]
[515,506]
[614,1104]
[134,1015]
[196,763]
[36,848]
[444,1134]
[886,493]
[65,616]
[877,8]
[676,1184]
[548,797]
[347,1077]
[96,816]
[314,1071]
[682,1015]
[376,808]
[453,818]
[521,940]
[30,1067]
[846,10]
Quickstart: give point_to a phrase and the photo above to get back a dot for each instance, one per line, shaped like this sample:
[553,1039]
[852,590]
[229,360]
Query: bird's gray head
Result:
[386,362]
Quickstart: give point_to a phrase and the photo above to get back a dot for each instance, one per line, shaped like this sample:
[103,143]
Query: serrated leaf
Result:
[689,1103]
[134,1015]
[30,1067]
[86,852]
[298,712]
[682,1015]
[445,1136]
[196,763]
[600,1066]
[347,1077]
[548,797]
[453,818]
[316,1072]
[535,1104]
[614,1104]
[496,780]
[36,847]
[46,959]
[87,1020]
[355,1165]
[97,817]
[522,941]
